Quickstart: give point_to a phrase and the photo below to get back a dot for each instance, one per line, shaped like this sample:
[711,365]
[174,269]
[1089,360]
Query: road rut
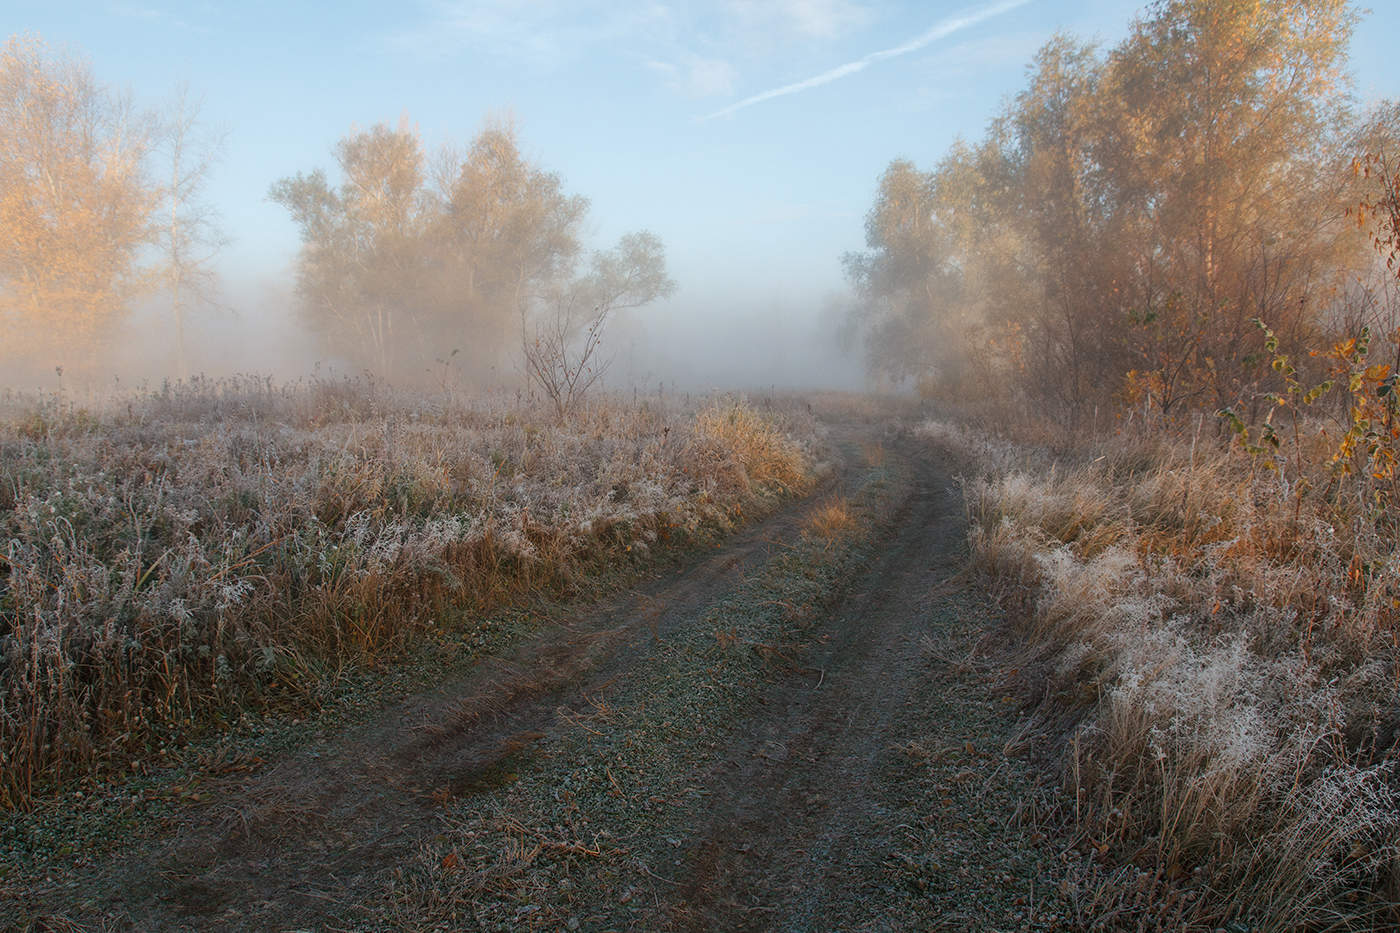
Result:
[845,751]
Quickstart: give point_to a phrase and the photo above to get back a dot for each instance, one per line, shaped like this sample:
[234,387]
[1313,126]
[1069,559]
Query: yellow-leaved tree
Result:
[409,260]
[76,205]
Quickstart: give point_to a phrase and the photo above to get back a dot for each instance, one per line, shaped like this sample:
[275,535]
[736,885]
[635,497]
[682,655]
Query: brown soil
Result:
[861,784]
[797,797]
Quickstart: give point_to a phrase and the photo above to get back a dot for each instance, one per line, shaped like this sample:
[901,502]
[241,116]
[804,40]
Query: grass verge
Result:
[1209,678]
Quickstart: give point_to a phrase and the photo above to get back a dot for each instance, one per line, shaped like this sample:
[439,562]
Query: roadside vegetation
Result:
[1159,305]
[172,557]
[1211,664]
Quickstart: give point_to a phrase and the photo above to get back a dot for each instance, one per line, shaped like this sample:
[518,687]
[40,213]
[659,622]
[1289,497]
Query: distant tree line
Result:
[1130,215]
[407,260]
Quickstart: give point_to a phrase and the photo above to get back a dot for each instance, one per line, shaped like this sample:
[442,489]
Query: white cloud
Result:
[543,32]
[813,19]
[938,31]
[696,75]
[696,48]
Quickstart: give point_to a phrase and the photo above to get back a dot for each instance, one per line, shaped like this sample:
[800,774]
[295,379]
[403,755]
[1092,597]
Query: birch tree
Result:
[76,204]
[361,261]
[410,258]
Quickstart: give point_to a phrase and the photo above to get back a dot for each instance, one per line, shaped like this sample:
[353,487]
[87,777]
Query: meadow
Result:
[171,557]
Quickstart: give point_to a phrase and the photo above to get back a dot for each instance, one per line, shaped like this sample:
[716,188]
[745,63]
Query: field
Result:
[171,557]
[1056,589]
[1208,640]
[679,665]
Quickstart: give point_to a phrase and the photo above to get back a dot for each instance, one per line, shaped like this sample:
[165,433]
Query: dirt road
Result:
[791,733]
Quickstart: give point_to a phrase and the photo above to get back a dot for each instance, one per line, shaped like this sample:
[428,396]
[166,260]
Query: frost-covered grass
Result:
[166,557]
[1215,663]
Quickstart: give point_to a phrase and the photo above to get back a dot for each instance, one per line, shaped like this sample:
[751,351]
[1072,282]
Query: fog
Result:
[467,259]
[585,197]
[660,120]
[734,338]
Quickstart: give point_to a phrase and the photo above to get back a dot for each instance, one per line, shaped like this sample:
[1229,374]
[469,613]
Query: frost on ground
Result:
[169,555]
[1213,676]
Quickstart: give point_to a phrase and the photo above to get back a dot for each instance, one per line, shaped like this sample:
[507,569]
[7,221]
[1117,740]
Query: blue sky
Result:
[748,134]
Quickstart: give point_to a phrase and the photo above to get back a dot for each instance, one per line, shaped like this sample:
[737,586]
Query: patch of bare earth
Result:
[880,796]
[795,733]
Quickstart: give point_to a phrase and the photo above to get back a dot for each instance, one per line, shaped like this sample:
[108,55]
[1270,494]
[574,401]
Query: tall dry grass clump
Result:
[1212,651]
[169,557]
[748,448]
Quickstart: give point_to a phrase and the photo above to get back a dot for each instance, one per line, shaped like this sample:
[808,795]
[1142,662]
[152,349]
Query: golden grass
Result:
[749,448]
[171,557]
[1216,660]
[832,521]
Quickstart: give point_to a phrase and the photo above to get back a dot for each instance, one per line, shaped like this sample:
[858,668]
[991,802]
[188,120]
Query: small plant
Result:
[753,443]
[832,520]
[1362,457]
[1380,210]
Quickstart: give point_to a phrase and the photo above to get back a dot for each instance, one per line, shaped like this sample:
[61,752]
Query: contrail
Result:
[943,29]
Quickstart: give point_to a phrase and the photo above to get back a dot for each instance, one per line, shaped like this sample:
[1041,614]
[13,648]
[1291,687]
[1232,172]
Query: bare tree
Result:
[190,238]
[562,344]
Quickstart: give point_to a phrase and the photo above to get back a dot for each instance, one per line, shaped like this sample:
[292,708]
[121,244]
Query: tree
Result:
[76,204]
[504,229]
[562,344]
[1219,147]
[905,278]
[1077,238]
[190,237]
[941,269]
[361,258]
[1128,216]
[407,255]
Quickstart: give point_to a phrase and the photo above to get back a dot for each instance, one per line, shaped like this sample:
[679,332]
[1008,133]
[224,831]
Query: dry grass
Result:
[832,521]
[744,447]
[1216,664]
[168,557]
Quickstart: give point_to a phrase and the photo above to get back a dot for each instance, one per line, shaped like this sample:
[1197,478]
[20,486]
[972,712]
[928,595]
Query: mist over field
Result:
[752,152]
[790,342]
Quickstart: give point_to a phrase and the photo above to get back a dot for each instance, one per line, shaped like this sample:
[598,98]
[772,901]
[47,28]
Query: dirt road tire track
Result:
[275,850]
[797,787]
[805,804]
